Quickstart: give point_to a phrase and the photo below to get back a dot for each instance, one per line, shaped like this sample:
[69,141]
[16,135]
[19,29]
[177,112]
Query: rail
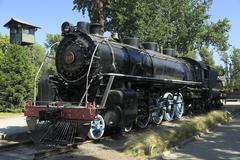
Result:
[88,72]
[85,95]
[47,54]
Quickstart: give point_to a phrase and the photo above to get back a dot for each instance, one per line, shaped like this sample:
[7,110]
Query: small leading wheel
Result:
[97,128]
[179,105]
[157,115]
[127,127]
[169,105]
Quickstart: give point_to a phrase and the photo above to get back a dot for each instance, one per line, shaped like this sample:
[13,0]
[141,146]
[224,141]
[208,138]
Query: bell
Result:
[115,36]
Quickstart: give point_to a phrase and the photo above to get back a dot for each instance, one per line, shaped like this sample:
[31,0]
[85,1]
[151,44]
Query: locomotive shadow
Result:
[114,141]
[74,156]
[14,133]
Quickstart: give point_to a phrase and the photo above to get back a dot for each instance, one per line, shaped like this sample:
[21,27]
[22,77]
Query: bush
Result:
[16,78]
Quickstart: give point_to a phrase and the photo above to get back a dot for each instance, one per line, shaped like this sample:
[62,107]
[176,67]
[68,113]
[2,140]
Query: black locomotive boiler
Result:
[102,83]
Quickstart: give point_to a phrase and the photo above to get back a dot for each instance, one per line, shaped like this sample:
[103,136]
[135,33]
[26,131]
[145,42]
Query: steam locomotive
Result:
[103,83]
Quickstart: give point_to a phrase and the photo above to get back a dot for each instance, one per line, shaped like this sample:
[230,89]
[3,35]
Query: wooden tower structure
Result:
[22,33]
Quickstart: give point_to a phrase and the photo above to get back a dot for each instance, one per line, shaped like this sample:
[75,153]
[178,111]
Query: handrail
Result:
[48,52]
[84,95]
[88,72]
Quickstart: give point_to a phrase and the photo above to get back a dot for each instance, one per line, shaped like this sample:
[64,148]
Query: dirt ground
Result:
[111,148]
[108,148]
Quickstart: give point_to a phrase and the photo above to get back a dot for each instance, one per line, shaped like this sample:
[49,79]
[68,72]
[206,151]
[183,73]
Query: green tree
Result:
[49,67]
[37,54]
[191,54]
[235,74]
[182,25]
[51,39]
[97,9]
[225,58]
[216,34]
[17,75]
[207,56]
[219,69]
[4,42]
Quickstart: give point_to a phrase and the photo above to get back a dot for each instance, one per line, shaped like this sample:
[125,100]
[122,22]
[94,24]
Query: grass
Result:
[155,141]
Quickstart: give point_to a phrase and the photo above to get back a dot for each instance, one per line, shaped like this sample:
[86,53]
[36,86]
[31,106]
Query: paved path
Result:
[14,125]
[223,143]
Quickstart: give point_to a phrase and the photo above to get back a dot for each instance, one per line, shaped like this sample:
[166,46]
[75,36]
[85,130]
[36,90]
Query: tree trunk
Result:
[100,10]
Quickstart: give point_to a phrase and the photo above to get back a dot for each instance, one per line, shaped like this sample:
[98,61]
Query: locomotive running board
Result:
[152,79]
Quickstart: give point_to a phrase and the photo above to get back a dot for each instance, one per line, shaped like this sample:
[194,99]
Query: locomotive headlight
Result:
[67,28]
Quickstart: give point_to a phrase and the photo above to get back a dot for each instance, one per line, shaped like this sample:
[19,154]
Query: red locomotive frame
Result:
[83,113]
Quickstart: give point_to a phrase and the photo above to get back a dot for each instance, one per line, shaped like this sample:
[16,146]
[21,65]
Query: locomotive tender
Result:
[102,83]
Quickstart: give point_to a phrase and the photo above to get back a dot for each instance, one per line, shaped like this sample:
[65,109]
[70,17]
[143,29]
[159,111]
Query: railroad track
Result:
[29,150]
[11,146]
[53,151]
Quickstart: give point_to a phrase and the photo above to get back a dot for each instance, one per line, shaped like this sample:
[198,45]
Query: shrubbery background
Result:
[16,78]
[18,67]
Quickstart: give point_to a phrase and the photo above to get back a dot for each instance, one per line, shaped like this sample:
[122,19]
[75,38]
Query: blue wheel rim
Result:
[169,113]
[179,106]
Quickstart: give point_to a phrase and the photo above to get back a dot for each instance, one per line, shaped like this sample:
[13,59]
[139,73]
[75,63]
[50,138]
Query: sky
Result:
[231,10]
[49,15]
